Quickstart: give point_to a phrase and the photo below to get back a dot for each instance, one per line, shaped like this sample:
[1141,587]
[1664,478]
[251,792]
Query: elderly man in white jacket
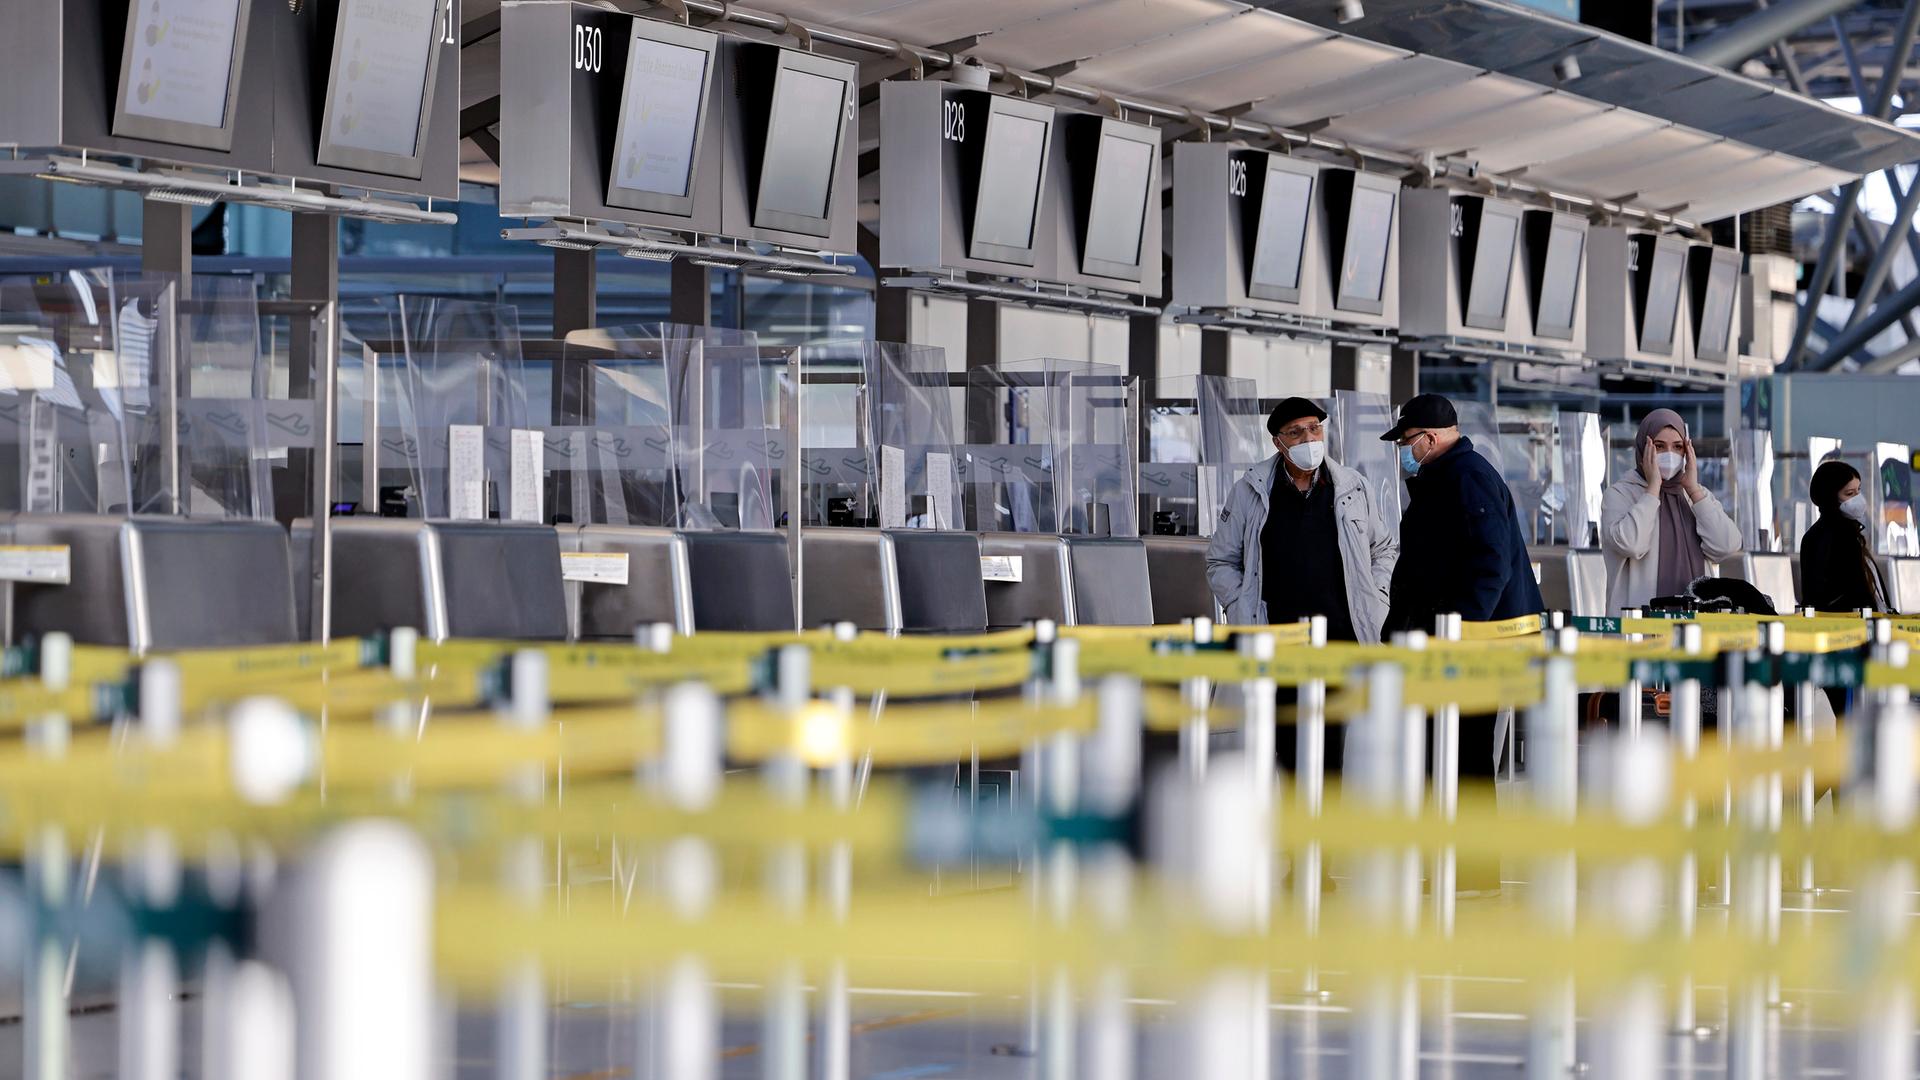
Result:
[1658,527]
[1299,536]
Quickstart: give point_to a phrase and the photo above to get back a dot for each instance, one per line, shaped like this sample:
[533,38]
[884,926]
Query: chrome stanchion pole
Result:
[784,1019]
[1883,1037]
[1553,768]
[1386,1024]
[1109,786]
[1631,781]
[522,1036]
[1195,694]
[1683,705]
[1446,790]
[1310,771]
[686,1015]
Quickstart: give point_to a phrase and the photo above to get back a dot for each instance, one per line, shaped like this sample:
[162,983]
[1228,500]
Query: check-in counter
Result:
[1111,582]
[657,589]
[739,580]
[469,579]
[1900,577]
[893,580]
[1039,585]
[1177,577]
[159,582]
[1573,580]
[1768,571]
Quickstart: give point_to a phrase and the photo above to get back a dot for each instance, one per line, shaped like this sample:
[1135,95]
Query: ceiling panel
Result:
[1764,170]
[1327,59]
[1401,80]
[1042,35]
[1200,50]
[1589,168]
[1408,122]
[1536,115]
[1579,135]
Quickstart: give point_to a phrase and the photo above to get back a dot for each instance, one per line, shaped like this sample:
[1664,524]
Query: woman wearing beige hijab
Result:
[1658,527]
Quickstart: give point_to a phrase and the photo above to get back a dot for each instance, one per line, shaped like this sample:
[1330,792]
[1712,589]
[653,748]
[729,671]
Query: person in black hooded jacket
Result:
[1836,568]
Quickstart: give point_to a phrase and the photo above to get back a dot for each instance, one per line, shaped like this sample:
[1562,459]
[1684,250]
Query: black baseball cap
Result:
[1290,410]
[1423,411]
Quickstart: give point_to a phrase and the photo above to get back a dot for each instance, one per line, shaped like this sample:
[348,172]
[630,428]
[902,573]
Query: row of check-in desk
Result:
[173,583]
[168,583]
[1575,579]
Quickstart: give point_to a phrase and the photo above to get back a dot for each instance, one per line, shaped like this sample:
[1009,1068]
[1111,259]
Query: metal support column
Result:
[1143,364]
[1759,31]
[575,289]
[166,241]
[690,295]
[1216,347]
[892,307]
[1403,379]
[315,278]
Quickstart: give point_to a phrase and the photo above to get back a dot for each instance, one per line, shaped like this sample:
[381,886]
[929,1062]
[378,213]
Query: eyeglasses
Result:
[1409,438]
[1307,430]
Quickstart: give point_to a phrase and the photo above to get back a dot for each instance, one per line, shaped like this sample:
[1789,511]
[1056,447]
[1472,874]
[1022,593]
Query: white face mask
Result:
[1856,507]
[1669,464]
[1307,456]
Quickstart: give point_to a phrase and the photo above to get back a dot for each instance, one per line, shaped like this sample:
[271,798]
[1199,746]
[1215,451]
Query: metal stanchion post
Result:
[1310,767]
[1883,1036]
[1109,786]
[1195,694]
[149,1011]
[785,1016]
[1446,789]
[686,1043]
[1553,766]
[1630,705]
[1631,781]
[1228,1025]
[1386,1025]
[354,927]
[836,1012]
[1683,706]
[522,1035]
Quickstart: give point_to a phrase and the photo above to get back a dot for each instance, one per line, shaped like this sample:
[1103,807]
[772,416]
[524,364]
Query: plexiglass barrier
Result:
[1051,447]
[726,428]
[908,437]
[1583,477]
[1358,420]
[1890,500]
[464,434]
[136,393]
[1233,439]
[616,464]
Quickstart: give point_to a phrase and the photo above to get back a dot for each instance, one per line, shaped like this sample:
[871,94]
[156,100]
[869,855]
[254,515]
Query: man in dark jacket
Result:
[1460,545]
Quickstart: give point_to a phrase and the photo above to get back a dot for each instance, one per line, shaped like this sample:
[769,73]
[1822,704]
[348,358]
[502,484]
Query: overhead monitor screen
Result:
[1663,298]
[1716,309]
[177,71]
[1009,181]
[1285,199]
[1560,280]
[1492,268]
[803,143]
[1363,265]
[381,58]
[1119,208]
[660,117]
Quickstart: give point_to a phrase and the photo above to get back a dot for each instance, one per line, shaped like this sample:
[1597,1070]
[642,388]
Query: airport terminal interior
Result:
[896,539]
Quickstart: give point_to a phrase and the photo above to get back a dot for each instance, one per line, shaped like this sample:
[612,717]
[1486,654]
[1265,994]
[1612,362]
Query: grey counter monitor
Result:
[1659,262]
[805,126]
[1555,245]
[1713,276]
[1286,197]
[664,96]
[1013,162]
[180,70]
[380,86]
[1117,211]
[1489,231]
[1360,210]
